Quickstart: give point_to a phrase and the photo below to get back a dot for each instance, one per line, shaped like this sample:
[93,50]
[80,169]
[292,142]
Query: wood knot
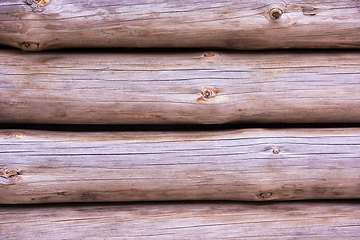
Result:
[29,46]
[37,5]
[8,175]
[42,2]
[264,195]
[209,54]
[309,11]
[275,13]
[208,93]
[17,135]
[34,3]
[276,151]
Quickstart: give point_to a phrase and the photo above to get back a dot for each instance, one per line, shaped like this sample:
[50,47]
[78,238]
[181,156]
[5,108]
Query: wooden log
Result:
[250,165]
[287,220]
[229,24]
[160,88]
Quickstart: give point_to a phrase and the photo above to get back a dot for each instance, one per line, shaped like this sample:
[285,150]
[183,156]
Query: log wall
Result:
[212,87]
[257,24]
[250,165]
[190,87]
[295,220]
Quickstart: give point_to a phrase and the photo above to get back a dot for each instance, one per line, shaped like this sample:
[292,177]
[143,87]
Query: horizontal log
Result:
[250,165]
[257,24]
[190,87]
[296,220]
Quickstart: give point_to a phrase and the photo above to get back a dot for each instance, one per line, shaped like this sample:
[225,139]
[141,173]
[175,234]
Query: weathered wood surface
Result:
[294,220]
[251,165]
[172,23]
[190,87]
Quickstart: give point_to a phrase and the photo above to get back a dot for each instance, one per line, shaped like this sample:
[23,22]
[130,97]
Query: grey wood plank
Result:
[286,220]
[192,23]
[190,87]
[249,165]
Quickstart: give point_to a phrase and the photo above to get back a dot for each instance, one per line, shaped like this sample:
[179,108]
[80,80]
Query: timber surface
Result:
[295,220]
[250,165]
[190,87]
[225,24]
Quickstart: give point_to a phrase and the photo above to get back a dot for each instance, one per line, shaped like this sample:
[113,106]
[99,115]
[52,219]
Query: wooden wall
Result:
[193,64]
[225,24]
[114,87]
[222,220]
[250,165]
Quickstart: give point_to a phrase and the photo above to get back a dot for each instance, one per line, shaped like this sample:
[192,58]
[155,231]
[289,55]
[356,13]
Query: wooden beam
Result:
[295,220]
[250,165]
[229,24]
[190,87]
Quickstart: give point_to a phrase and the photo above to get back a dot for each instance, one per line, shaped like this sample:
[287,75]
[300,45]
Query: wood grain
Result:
[250,165]
[163,88]
[295,220]
[226,24]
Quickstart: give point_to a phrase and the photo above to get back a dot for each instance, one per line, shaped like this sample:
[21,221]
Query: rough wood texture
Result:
[152,88]
[309,220]
[172,23]
[251,165]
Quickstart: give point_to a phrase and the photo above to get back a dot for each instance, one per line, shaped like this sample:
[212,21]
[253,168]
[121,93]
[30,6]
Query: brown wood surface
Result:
[286,220]
[251,165]
[190,87]
[192,23]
